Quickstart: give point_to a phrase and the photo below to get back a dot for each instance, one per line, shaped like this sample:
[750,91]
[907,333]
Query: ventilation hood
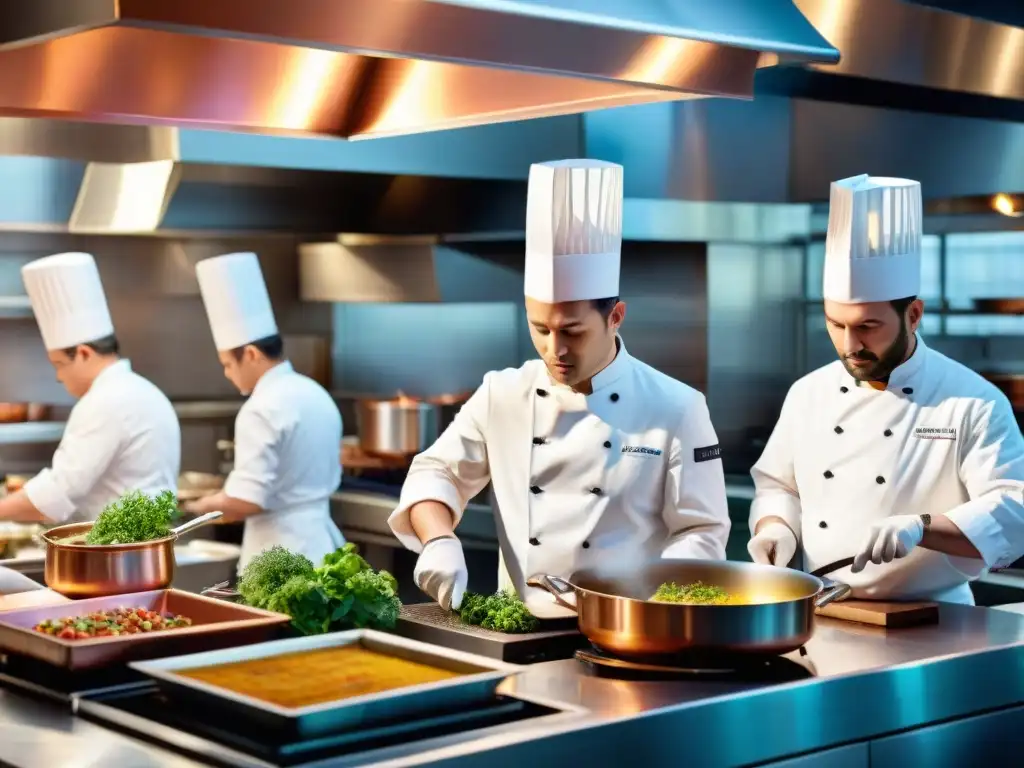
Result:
[367,269]
[372,68]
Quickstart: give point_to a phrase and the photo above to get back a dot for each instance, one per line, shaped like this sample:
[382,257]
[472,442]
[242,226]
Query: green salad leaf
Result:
[343,593]
[501,612]
[133,518]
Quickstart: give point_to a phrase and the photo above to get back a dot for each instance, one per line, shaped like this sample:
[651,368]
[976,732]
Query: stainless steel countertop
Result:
[894,679]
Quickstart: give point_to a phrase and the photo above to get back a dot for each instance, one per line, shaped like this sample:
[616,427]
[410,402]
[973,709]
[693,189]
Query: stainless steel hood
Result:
[914,55]
[372,68]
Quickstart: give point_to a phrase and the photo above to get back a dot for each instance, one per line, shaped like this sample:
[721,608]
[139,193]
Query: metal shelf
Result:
[28,432]
[15,307]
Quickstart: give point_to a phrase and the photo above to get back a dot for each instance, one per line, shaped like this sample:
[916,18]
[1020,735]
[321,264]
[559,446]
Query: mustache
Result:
[863,357]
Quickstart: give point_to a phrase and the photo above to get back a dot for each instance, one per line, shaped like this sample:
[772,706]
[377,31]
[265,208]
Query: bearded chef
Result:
[286,434]
[122,434]
[895,454]
[593,456]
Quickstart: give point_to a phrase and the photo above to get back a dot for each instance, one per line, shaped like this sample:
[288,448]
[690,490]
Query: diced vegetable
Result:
[111,624]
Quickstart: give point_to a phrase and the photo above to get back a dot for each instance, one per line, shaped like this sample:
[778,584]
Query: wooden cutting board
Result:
[882,614]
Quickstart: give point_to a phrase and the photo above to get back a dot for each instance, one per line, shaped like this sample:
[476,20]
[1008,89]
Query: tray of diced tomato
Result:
[110,630]
[120,621]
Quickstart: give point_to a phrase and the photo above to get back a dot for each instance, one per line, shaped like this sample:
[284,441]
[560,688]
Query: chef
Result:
[122,434]
[895,454]
[594,457]
[286,434]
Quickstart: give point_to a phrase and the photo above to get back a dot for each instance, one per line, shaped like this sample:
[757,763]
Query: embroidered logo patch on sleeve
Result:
[707,454]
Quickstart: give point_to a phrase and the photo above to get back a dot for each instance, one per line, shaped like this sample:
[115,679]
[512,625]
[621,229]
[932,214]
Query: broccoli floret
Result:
[268,571]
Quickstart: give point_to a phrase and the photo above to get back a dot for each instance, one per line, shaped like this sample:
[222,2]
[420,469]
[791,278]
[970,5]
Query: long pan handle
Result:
[825,570]
[555,586]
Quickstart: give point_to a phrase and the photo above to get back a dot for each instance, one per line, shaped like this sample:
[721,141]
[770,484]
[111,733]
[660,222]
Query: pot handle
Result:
[831,592]
[222,590]
[556,586]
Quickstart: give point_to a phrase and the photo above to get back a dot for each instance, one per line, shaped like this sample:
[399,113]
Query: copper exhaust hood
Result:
[373,68]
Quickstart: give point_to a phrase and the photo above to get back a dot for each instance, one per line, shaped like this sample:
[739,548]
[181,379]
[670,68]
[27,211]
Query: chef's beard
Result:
[885,363]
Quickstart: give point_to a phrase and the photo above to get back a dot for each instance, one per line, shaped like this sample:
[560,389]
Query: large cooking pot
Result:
[98,570]
[771,610]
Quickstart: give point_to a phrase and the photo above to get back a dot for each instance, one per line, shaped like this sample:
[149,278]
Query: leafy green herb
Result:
[501,612]
[133,518]
[343,593]
[267,573]
[696,593]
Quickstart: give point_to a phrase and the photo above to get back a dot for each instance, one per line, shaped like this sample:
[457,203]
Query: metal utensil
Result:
[615,613]
[97,570]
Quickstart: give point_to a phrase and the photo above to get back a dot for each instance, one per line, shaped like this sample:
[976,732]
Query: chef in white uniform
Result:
[122,434]
[594,457]
[894,454]
[286,434]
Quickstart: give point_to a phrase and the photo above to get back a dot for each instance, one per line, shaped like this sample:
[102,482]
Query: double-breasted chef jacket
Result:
[939,439]
[286,462]
[122,435]
[632,470]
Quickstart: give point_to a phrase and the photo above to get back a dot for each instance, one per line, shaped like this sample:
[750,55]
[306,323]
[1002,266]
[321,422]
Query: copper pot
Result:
[13,413]
[88,570]
[1012,385]
[773,614]
[396,428]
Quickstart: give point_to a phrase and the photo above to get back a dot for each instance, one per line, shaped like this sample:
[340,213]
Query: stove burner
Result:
[748,668]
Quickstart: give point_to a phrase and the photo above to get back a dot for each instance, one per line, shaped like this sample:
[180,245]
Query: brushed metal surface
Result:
[369,68]
[911,678]
[400,427]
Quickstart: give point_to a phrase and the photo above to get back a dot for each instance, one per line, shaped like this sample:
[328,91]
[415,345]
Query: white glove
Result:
[441,572]
[888,540]
[774,544]
[12,582]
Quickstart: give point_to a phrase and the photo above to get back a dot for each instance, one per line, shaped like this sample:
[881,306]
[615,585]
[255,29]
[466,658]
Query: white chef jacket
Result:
[122,435]
[939,439]
[287,436]
[632,470]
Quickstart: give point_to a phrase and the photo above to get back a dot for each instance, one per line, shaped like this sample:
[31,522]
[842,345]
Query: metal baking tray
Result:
[475,687]
[215,624]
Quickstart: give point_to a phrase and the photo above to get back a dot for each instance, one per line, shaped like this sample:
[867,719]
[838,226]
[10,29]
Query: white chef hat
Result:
[873,245]
[236,299]
[67,299]
[573,230]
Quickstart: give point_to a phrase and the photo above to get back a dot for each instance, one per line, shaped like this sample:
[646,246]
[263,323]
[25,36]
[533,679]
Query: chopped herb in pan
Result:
[696,593]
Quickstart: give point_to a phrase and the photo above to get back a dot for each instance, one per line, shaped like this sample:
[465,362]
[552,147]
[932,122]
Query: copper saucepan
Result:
[98,570]
[771,609]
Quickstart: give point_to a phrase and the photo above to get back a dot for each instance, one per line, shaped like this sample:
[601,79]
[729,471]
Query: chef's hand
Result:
[888,540]
[441,572]
[774,544]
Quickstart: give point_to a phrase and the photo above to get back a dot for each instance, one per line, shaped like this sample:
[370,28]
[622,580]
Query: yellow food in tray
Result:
[306,678]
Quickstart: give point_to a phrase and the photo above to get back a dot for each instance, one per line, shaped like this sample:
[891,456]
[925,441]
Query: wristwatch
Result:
[927,520]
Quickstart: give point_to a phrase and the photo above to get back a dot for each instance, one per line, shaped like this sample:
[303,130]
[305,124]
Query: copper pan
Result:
[771,612]
[99,570]
[16,413]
